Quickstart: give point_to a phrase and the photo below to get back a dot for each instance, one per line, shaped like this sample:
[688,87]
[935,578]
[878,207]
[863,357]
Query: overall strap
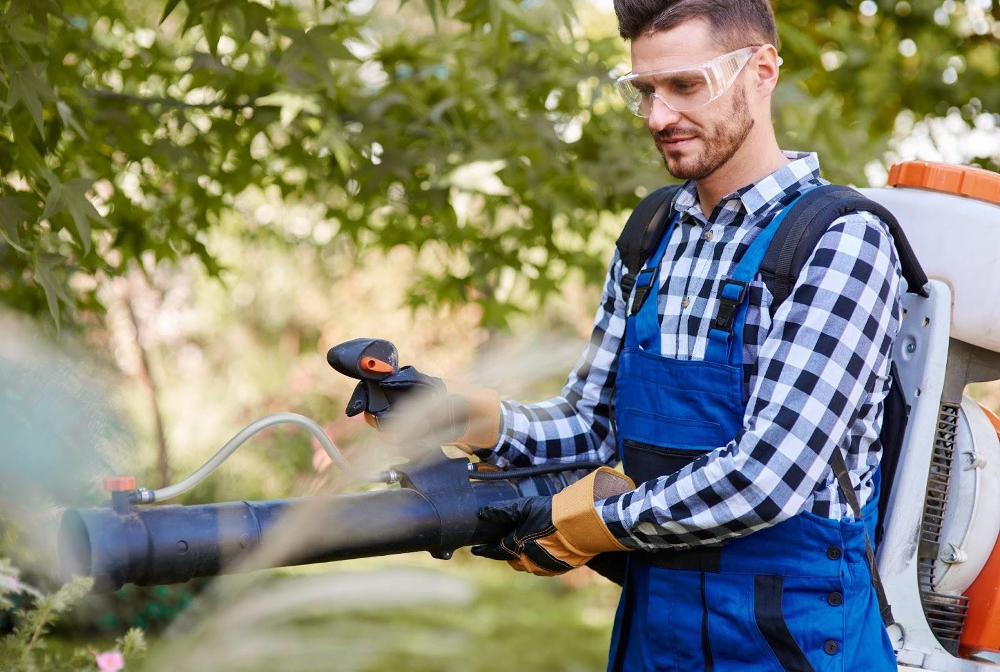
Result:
[642,328]
[725,334]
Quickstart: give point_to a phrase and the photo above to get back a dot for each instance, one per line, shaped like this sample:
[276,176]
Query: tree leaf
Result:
[211,26]
[168,8]
[432,10]
[255,19]
[291,104]
[20,31]
[320,45]
[44,264]
[11,214]
[29,86]
[72,197]
[66,114]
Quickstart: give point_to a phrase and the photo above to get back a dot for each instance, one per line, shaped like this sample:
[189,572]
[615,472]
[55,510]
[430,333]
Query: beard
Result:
[720,144]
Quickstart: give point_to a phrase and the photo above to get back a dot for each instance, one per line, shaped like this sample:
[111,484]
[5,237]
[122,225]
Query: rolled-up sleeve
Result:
[576,425]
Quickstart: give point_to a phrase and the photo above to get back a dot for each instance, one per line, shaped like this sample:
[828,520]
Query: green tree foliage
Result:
[483,130]
[851,68]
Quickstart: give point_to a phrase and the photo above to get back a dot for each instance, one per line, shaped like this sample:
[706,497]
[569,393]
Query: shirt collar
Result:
[756,197]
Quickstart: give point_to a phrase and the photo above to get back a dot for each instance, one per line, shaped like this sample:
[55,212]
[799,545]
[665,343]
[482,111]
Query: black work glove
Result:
[421,407]
[552,535]
[405,384]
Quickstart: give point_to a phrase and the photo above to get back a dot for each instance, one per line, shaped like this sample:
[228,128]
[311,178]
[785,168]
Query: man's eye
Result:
[685,86]
[644,89]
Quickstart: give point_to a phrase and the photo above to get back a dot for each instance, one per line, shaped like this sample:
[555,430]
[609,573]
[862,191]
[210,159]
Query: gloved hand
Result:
[420,406]
[552,535]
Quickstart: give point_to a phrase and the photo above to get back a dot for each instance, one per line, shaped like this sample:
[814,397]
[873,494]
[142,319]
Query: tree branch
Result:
[162,454]
[170,102]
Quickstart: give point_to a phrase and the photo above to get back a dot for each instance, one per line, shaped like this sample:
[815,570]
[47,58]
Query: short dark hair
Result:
[737,23]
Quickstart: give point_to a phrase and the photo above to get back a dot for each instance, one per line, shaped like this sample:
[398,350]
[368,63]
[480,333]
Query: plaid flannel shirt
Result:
[815,374]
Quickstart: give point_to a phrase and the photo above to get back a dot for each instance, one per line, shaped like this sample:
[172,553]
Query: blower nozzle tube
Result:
[172,543]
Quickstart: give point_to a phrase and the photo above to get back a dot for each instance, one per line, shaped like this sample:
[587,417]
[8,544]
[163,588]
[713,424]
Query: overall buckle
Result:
[728,303]
[642,288]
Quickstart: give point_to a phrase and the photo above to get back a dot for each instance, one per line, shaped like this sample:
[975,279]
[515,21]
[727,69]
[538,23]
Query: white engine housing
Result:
[957,241]
[935,502]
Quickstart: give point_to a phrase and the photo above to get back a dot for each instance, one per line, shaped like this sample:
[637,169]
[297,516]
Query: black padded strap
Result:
[641,233]
[851,497]
[635,244]
[806,223]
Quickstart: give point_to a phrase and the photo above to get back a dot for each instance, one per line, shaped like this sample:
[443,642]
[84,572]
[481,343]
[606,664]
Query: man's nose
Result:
[660,116]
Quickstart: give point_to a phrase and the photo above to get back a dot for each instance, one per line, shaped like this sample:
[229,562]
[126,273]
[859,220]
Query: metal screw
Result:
[182,547]
[911,347]
[953,554]
[974,460]
[244,541]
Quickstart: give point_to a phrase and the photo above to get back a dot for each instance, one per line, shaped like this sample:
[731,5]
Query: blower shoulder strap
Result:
[807,221]
[642,232]
[847,490]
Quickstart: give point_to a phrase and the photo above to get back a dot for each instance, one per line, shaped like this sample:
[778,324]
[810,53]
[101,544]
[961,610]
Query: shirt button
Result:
[686,302]
[835,599]
[834,553]
[830,646]
[708,235]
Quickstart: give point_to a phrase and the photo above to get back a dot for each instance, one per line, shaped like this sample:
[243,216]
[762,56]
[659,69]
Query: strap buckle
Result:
[728,304]
[641,289]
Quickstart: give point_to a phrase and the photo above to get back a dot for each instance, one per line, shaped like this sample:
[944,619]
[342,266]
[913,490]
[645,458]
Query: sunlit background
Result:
[198,199]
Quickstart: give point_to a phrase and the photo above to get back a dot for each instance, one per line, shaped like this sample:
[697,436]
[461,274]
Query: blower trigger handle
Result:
[367,360]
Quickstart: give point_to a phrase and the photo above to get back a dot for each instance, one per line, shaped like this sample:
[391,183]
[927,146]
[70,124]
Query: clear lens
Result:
[682,89]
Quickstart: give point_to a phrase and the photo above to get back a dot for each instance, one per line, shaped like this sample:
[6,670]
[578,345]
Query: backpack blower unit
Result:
[939,539]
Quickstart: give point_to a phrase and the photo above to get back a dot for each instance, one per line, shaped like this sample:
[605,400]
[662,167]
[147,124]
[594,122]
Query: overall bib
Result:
[794,596]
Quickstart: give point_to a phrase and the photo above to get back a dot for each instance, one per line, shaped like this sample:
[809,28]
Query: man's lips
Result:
[678,143]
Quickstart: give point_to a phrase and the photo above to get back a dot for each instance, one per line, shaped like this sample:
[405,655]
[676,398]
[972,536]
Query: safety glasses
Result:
[683,89]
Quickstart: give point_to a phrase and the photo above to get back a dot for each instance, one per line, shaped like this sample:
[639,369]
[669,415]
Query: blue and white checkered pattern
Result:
[816,374]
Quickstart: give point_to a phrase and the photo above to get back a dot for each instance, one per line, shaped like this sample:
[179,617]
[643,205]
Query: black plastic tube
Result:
[538,470]
[172,543]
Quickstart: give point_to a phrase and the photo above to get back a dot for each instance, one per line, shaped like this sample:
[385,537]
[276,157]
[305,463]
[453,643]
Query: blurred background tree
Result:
[481,132]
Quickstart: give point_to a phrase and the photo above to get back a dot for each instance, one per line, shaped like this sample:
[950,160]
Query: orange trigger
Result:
[372,365]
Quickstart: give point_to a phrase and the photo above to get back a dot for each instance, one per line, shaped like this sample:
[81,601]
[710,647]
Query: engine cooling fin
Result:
[945,613]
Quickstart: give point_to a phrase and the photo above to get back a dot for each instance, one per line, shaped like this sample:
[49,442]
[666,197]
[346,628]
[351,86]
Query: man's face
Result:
[696,143]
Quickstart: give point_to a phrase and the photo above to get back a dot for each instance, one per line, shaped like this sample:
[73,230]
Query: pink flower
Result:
[110,661]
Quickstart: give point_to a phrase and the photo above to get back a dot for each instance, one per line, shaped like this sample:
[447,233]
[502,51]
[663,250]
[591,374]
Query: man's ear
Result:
[764,66]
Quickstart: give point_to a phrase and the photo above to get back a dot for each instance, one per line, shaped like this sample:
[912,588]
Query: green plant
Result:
[26,648]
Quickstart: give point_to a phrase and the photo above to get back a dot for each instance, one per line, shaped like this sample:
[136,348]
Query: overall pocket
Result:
[769,600]
[646,461]
[746,625]
[662,430]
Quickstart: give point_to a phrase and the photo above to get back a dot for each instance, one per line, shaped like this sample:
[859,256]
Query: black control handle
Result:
[367,360]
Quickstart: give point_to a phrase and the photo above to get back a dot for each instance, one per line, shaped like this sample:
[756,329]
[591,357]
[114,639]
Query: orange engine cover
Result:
[982,623]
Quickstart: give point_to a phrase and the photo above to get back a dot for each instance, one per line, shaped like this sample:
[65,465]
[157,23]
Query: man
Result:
[743,553]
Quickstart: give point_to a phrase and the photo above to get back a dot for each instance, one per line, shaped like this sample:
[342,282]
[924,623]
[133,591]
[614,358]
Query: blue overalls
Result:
[794,596]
